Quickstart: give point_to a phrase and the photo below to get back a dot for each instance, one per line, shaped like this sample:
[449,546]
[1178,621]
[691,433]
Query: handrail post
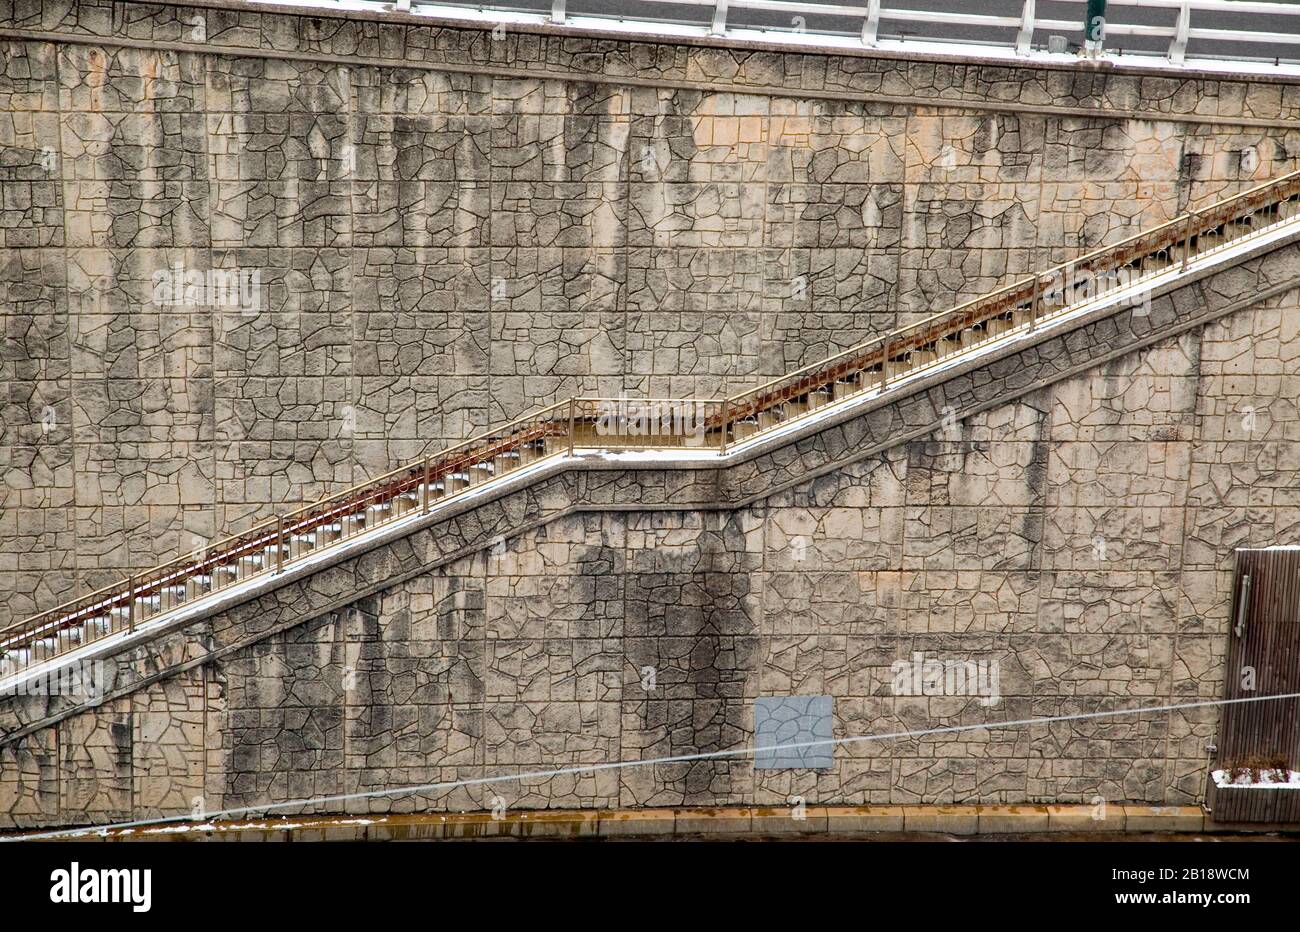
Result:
[1034,301]
[130,604]
[884,364]
[428,484]
[279,543]
[573,404]
[726,410]
[1187,239]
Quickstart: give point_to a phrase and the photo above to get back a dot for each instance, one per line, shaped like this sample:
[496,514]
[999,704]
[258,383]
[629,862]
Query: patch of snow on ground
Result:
[1267,781]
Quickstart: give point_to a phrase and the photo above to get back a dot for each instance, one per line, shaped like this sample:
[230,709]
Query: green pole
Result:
[1094,25]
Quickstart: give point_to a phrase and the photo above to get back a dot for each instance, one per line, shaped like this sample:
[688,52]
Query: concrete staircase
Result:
[667,433]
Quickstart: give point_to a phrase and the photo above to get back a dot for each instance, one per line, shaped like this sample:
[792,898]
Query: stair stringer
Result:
[603,483]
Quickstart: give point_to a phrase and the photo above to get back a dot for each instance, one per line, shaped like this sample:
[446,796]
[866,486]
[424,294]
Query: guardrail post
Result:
[884,365]
[428,484]
[1182,31]
[726,410]
[279,543]
[871,23]
[1187,240]
[130,604]
[573,404]
[1025,37]
[719,26]
[1094,27]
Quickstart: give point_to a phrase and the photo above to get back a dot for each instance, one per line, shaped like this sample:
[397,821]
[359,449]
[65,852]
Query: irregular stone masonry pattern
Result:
[516,637]
[441,250]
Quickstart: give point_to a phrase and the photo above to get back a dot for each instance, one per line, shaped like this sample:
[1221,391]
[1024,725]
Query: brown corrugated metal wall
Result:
[1264,636]
[1270,643]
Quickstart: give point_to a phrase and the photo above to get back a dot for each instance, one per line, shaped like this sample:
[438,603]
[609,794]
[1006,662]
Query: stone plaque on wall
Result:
[783,721]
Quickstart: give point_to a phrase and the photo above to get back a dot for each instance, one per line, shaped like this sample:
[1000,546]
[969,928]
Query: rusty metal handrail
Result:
[269,545]
[870,353]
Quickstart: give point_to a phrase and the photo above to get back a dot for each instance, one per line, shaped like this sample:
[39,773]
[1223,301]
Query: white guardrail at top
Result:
[1214,34]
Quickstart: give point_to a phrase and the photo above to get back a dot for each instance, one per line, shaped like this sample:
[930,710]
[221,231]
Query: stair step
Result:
[328,533]
[199,585]
[405,503]
[174,595]
[372,514]
[845,387]
[1000,325]
[94,628]
[458,480]
[531,452]
[354,523]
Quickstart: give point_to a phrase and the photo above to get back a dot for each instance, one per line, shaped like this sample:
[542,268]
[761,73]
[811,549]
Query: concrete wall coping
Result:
[688,822]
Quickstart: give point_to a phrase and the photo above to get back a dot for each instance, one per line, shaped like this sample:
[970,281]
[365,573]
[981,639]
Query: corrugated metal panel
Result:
[1265,636]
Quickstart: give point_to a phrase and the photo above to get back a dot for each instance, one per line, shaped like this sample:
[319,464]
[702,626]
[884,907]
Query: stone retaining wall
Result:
[449,229]
[1079,534]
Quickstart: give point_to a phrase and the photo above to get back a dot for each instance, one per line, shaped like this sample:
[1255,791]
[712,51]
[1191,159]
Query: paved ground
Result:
[934,837]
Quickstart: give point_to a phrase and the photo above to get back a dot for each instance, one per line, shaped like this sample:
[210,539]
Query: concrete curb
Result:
[693,823]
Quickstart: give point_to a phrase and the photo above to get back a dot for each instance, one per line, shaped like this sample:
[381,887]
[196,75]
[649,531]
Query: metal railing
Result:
[594,424]
[1021,306]
[1163,30]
